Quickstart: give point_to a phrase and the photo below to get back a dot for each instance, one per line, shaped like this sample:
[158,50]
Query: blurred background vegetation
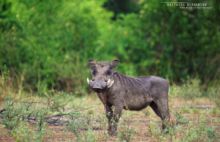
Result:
[45,44]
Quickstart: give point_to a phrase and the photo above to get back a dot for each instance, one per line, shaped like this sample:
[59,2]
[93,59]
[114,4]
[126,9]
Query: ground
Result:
[193,120]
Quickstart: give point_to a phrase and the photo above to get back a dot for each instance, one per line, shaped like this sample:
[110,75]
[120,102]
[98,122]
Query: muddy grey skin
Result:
[118,92]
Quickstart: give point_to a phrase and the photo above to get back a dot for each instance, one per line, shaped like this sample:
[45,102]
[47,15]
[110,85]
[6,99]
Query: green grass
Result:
[87,122]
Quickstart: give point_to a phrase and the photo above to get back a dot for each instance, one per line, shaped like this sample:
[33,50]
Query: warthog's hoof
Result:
[112,133]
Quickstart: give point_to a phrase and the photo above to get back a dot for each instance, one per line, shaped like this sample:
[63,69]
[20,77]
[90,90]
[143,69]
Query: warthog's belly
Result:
[136,107]
[137,103]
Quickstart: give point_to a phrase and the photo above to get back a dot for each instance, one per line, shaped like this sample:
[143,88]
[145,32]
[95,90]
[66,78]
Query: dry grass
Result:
[197,119]
[195,122]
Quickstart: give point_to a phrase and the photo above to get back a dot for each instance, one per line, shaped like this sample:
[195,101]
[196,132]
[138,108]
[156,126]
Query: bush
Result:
[49,42]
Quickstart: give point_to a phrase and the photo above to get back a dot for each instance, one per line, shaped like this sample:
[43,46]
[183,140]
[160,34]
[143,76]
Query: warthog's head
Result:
[102,74]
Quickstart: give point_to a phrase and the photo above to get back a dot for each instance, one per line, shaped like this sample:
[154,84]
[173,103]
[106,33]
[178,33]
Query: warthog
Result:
[118,92]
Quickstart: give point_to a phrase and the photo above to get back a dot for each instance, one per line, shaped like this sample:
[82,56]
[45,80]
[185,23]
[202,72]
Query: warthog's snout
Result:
[98,85]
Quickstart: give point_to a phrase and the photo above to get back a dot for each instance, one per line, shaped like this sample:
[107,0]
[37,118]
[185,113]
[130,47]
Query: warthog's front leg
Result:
[109,115]
[113,121]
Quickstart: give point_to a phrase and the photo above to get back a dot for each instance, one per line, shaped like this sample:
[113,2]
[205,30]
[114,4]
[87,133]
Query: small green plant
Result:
[12,114]
[146,112]
[55,104]
[88,136]
[23,133]
[180,119]
[15,117]
[155,131]
[78,125]
[200,132]
[125,135]
[41,125]
[215,111]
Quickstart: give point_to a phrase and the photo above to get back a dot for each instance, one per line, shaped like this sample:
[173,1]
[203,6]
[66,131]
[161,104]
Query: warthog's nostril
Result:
[106,80]
[93,79]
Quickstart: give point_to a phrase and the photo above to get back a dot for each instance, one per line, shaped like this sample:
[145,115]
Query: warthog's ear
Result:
[91,63]
[114,63]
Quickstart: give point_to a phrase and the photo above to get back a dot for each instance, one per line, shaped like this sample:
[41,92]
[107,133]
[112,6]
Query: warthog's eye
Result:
[108,72]
[94,72]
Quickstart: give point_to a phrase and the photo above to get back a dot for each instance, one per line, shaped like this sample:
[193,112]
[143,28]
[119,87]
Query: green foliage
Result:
[119,7]
[49,42]
[179,40]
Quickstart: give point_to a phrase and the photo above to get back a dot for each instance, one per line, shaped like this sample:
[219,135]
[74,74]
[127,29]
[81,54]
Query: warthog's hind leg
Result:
[160,107]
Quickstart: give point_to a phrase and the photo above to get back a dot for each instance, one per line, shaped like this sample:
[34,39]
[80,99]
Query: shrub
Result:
[49,42]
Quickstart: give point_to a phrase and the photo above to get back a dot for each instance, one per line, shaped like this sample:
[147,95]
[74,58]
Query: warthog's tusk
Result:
[110,83]
[88,81]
